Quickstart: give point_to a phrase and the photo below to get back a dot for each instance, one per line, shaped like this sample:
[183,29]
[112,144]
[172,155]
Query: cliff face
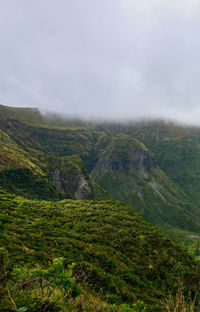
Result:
[75,187]
[125,153]
[141,160]
[71,179]
[136,160]
[128,171]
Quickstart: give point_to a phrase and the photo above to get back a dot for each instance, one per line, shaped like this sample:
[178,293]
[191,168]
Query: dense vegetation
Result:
[117,253]
[120,259]
[153,166]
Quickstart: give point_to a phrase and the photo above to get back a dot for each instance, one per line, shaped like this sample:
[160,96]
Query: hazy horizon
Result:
[110,60]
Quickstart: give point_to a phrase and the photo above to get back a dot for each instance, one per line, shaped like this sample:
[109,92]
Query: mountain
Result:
[154,166]
[129,171]
[161,178]
[26,169]
[177,152]
[59,182]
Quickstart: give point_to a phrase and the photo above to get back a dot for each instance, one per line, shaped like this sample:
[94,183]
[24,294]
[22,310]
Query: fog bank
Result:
[108,59]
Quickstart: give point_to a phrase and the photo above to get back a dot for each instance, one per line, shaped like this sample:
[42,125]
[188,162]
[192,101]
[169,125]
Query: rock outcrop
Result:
[141,161]
[72,183]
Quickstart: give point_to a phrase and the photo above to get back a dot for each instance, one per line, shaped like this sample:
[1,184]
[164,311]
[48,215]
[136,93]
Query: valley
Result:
[90,192]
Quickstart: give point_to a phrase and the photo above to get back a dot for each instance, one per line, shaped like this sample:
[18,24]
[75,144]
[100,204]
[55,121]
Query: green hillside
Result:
[119,257]
[128,170]
[50,167]
[153,166]
[26,170]
[177,153]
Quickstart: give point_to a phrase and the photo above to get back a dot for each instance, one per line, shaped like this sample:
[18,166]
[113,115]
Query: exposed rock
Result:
[73,185]
[141,196]
[139,160]
[156,188]
[111,161]
[142,160]
[57,180]
[83,188]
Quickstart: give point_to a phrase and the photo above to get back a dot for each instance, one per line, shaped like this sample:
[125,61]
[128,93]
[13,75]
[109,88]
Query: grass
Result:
[119,254]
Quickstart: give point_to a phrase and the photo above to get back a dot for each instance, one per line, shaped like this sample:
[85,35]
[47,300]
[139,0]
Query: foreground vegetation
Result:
[118,256]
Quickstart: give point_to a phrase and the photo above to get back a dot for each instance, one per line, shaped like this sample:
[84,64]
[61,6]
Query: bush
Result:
[40,289]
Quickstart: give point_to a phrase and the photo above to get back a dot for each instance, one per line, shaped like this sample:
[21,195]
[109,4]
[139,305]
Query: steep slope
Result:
[153,166]
[128,170]
[177,151]
[27,115]
[122,257]
[27,171]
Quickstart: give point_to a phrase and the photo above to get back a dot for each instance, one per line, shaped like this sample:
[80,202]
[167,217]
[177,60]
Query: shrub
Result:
[40,289]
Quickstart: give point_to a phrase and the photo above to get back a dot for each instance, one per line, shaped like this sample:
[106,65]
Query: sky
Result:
[102,59]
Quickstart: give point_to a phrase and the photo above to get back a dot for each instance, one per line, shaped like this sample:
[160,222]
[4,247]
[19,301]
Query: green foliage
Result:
[39,289]
[22,181]
[161,180]
[56,275]
[154,166]
[113,247]
[139,306]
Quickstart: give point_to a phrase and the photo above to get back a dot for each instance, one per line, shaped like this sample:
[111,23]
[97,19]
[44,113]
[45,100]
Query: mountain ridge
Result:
[49,171]
[153,191]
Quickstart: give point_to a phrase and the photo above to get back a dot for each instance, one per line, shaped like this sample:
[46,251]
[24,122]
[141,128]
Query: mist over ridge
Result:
[62,119]
[102,60]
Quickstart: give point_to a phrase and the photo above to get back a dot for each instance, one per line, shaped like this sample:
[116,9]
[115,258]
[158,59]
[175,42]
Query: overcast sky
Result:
[115,59]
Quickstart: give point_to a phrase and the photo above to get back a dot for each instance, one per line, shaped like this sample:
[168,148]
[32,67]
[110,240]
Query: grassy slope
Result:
[148,188]
[119,258]
[175,149]
[26,170]
[177,152]
[122,256]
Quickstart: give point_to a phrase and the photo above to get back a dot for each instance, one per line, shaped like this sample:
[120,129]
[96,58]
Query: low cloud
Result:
[110,59]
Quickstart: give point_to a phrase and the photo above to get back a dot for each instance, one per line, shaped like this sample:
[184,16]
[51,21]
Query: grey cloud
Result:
[116,59]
